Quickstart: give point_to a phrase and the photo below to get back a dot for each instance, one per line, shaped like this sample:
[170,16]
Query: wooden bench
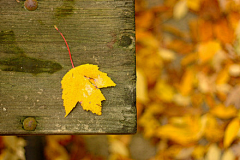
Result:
[34,58]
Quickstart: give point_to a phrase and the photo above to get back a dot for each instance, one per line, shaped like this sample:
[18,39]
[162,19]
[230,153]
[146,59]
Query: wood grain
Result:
[98,32]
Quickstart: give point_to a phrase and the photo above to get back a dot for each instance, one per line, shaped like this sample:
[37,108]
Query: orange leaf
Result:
[81,84]
[223,76]
[179,46]
[224,112]
[207,50]
[210,9]
[234,18]
[224,32]
[188,59]
[147,17]
[201,30]
[187,82]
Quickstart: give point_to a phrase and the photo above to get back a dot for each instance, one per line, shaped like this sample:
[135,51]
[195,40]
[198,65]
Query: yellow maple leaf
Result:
[231,132]
[81,84]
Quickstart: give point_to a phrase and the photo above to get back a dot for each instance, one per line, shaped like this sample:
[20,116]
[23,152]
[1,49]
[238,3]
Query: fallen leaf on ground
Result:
[228,155]
[224,112]
[180,9]
[207,50]
[186,83]
[213,130]
[231,132]
[164,91]
[214,153]
[223,31]
[201,30]
[142,90]
[194,5]
[183,130]
[234,70]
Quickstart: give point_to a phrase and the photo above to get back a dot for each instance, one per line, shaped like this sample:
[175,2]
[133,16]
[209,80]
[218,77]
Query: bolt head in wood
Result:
[29,124]
[31,5]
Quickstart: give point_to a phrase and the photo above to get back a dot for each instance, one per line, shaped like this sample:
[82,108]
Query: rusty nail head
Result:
[29,124]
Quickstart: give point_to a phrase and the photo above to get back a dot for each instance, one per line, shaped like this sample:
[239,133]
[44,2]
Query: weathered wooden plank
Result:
[98,32]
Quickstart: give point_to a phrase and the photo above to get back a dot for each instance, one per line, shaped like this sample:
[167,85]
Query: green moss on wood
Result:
[8,43]
[29,65]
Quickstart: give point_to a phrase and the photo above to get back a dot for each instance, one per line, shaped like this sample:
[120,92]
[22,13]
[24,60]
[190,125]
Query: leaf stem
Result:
[66,45]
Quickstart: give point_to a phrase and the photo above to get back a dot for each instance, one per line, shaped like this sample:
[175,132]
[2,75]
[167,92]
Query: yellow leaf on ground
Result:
[179,152]
[188,59]
[142,89]
[81,84]
[218,60]
[194,4]
[185,153]
[199,152]
[234,70]
[228,155]
[223,76]
[166,54]
[148,121]
[214,153]
[231,132]
[224,112]
[213,131]
[205,82]
[164,91]
[183,130]
[146,39]
[180,9]
[54,150]
[207,50]
[182,100]
[186,84]
[117,146]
